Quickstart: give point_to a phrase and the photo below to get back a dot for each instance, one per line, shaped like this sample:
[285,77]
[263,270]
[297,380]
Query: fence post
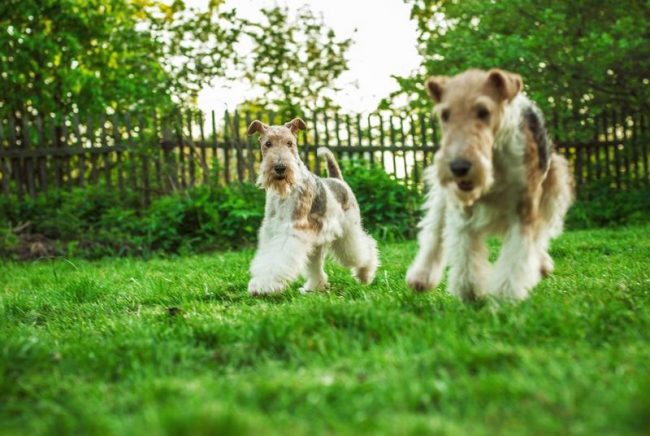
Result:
[250,158]
[28,161]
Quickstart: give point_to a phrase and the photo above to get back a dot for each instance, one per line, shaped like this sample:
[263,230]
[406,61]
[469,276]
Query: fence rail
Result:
[154,155]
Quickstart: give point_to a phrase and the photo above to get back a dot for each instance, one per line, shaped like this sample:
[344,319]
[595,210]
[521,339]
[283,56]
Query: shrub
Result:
[389,209]
[93,221]
[598,205]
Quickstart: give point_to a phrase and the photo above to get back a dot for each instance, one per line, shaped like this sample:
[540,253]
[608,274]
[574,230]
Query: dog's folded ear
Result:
[436,86]
[256,127]
[507,84]
[295,125]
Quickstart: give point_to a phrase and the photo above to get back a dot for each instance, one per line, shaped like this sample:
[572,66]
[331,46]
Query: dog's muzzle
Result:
[460,168]
[280,170]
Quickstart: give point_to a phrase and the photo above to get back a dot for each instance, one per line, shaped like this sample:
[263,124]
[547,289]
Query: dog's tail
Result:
[332,166]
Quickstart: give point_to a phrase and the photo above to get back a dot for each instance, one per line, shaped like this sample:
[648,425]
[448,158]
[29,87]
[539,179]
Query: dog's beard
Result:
[467,190]
[281,185]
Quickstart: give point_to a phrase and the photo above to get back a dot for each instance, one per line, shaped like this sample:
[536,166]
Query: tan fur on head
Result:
[470,106]
[279,148]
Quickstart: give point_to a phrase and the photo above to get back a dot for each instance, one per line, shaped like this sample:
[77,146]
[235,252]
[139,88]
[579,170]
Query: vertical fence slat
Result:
[106,156]
[393,143]
[93,155]
[28,161]
[203,149]
[327,130]
[643,138]
[359,143]
[191,148]
[236,119]
[16,163]
[42,160]
[371,152]
[617,154]
[181,148]
[4,167]
[413,147]
[226,147]
[118,153]
[144,147]
[382,140]
[157,152]
[81,165]
[215,155]
[250,157]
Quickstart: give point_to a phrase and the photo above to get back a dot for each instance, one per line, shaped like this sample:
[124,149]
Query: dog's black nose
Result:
[280,168]
[460,167]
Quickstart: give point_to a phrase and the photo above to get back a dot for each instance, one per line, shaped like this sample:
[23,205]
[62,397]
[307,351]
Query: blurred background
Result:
[122,122]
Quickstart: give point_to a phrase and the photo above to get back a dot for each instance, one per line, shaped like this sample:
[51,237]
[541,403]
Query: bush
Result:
[389,209]
[94,222]
[599,205]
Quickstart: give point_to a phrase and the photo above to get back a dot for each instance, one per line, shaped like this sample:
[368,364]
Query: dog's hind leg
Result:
[357,250]
[426,270]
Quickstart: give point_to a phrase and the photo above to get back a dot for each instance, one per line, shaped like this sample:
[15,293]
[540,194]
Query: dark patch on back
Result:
[319,206]
[340,192]
[535,121]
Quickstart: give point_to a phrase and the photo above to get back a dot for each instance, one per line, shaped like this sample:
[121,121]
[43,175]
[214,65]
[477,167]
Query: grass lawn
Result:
[177,346]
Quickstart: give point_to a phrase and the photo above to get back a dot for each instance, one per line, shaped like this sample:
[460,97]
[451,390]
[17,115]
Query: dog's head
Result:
[281,165]
[470,107]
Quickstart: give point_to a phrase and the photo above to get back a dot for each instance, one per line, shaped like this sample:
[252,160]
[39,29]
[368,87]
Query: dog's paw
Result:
[508,292]
[308,287]
[419,281]
[547,266]
[261,287]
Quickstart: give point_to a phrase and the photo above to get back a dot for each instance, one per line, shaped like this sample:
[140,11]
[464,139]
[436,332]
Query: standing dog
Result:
[305,216]
[496,173]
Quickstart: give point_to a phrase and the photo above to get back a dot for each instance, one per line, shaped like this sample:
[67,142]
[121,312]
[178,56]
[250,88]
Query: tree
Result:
[87,56]
[293,62]
[585,54]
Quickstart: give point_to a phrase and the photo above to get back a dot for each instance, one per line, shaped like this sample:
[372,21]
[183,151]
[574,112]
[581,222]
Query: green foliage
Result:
[388,208]
[87,56]
[94,221]
[176,346]
[587,54]
[294,61]
[601,206]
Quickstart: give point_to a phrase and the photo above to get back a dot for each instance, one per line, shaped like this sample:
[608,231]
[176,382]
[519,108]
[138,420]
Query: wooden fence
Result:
[154,155]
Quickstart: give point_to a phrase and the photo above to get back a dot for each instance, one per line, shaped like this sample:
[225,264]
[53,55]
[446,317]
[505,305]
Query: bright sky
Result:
[383,45]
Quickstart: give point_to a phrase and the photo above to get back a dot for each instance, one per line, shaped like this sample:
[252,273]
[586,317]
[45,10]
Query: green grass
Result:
[177,346]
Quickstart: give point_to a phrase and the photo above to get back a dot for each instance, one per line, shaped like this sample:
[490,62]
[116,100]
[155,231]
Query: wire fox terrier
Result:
[305,216]
[496,173]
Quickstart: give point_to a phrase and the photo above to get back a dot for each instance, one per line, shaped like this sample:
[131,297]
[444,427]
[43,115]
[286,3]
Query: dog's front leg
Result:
[316,279]
[517,269]
[468,257]
[426,270]
[278,261]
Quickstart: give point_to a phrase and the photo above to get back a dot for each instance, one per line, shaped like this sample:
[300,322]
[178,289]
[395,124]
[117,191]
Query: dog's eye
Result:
[444,115]
[483,113]
[289,143]
[268,144]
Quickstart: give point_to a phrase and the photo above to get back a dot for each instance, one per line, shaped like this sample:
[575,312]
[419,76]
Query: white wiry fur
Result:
[454,231]
[287,250]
